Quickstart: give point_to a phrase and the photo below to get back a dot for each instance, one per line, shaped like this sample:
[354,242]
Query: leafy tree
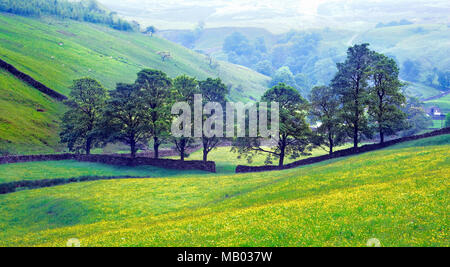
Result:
[294,135]
[447,120]
[186,87]
[385,97]
[283,75]
[126,118]
[156,88]
[81,127]
[150,30]
[325,106]
[417,119]
[212,90]
[351,85]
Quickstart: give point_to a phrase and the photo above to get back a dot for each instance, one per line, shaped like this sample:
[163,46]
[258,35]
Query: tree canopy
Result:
[294,134]
[89,11]
[81,128]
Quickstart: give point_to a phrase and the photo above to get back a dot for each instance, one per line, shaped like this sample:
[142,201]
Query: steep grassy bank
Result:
[55,52]
[29,120]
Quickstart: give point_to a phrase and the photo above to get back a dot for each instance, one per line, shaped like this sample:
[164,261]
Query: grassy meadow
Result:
[398,195]
[227,160]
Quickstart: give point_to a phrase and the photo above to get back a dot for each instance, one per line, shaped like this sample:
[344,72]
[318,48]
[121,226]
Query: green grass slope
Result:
[55,52]
[22,128]
[398,195]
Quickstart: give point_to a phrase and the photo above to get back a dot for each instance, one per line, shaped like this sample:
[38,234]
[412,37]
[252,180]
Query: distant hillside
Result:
[210,40]
[421,51]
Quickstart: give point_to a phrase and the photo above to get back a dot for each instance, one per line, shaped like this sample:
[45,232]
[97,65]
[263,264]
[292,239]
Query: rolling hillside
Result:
[427,45]
[398,195]
[55,52]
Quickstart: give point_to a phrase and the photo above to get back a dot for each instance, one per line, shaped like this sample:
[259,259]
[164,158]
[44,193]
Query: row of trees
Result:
[134,114]
[88,11]
[364,99]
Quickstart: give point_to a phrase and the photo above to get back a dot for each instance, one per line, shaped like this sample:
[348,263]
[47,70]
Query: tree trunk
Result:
[156,147]
[282,154]
[355,136]
[281,161]
[381,136]
[133,149]
[380,117]
[88,146]
[330,139]
[182,149]
[205,149]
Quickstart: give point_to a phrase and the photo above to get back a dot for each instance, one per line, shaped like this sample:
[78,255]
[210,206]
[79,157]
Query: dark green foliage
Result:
[125,117]
[212,90]
[447,120]
[185,87]
[294,137]
[385,97]
[351,85]
[325,107]
[81,128]
[156,88]
[89,11]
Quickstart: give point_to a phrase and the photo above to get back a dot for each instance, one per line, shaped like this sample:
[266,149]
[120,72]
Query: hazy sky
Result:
[279,14]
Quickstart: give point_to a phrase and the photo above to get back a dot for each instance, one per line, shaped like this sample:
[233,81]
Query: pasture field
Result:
[398,195]
[227,160]
[24,129]
[71,169]
[55,52]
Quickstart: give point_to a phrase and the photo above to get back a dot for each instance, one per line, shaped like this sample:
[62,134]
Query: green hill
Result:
[29,120]
[425,45]
[55,52]
[398,195]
